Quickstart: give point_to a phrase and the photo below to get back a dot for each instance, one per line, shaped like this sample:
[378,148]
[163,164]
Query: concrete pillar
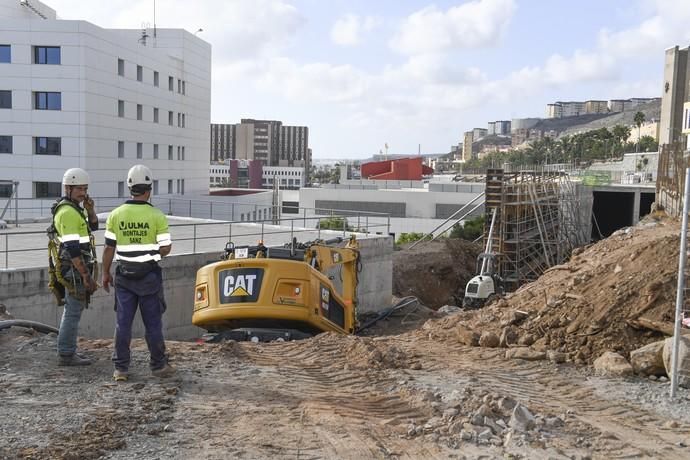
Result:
[636,207]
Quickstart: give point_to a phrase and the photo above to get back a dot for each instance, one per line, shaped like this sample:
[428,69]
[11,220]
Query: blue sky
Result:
[364,73]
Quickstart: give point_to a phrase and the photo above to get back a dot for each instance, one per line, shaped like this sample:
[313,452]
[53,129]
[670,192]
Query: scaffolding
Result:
[538,222]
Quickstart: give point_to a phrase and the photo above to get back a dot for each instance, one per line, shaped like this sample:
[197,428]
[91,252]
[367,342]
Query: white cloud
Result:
[235,28]
[348,30]
[471,25]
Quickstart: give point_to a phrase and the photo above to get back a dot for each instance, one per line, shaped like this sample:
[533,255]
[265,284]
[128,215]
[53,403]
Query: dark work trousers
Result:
[147,294]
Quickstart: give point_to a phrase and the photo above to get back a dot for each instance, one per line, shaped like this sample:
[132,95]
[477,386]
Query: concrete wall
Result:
[26,295]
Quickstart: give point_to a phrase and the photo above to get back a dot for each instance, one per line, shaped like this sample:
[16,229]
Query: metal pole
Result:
[318,226]
[358,216]
[344,225]
[305,217]
[194,242]
[292,229]
[211,209]
[170,206]
[230,231]
[388,231]
[16,204]
[367,220]
[7,264]
[681,282]
[262,231]
[190,208]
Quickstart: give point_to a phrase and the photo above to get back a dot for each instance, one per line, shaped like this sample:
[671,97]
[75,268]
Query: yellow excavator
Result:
[261,293]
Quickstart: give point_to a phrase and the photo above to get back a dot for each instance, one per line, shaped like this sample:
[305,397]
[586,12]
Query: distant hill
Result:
[574,125]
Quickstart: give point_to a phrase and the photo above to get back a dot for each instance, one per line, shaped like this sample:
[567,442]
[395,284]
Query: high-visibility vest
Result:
[137,229]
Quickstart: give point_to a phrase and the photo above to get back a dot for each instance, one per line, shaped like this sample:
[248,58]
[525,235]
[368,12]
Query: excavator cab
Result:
[266,293]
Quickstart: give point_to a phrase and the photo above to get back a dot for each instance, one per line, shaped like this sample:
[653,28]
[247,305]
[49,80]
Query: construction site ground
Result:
[412,388]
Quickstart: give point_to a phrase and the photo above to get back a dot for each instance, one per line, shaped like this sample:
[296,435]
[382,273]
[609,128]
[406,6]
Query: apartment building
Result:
[468,138]
[593,106]
[268,141]
[77,95]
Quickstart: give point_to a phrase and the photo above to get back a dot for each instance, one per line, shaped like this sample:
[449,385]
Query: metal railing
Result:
[24,249]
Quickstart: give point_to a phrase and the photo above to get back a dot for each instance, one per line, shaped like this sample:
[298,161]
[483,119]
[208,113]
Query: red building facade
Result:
[398,169]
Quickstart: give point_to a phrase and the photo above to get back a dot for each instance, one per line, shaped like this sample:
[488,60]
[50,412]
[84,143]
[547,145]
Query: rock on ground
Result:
[612,364]
[683,360]
[649,360]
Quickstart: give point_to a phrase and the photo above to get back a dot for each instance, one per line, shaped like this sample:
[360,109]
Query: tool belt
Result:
[135,270]
[62,276]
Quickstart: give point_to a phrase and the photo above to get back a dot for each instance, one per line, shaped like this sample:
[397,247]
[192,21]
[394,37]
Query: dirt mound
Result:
[359,352]
[435,272]
[603,299]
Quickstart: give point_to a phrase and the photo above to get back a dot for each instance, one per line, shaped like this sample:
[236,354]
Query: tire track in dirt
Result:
[361,400]
[542,387]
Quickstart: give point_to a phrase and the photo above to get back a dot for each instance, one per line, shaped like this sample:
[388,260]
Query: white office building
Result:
[291,177]
[73,94]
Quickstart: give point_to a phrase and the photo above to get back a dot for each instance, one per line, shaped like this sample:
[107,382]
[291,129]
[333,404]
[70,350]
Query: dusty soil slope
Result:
[590,304]
[435,272]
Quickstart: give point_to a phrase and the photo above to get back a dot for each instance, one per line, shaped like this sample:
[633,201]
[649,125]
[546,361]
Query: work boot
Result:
[163,372]
[73,360]
[120,376]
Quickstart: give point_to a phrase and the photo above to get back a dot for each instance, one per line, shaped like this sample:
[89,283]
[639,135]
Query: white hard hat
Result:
[139,175]
[75,176]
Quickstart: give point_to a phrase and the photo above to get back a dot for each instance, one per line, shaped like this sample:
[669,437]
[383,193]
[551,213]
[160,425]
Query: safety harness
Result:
[57,283]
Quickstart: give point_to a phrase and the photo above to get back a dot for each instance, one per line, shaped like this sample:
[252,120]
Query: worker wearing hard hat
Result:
[72,260]
[137,237]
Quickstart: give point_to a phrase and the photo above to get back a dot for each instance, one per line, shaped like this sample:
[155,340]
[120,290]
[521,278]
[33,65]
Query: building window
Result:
[47,146]
[44,100]
[183,120]
[155,114]
[5,54]
[155,79]
[121,67]
[182,191]
[155,187]
[178,153]
[120,149]
[155,151]
[140,111]
[170,117]
[171,83]
[46,55]
[179,119]
[170,152]
[5,144]
[170,187]
[183,153]
[140,73]
[179,86]
[5,189]
[120,189]
[177,186]
[140,150]
[5,99]
[47,189]
[184,91]
[121,108]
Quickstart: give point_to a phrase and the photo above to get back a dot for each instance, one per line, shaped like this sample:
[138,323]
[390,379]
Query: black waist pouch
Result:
[135,270]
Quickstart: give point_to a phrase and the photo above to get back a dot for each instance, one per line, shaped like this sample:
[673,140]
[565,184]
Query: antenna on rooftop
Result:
[154,18]
[144,33]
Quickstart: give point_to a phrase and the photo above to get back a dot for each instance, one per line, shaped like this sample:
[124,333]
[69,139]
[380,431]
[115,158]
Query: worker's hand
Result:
[90,284]
[107,281]
[88,204]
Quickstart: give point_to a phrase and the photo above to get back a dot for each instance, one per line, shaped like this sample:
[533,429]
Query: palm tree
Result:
[639,119]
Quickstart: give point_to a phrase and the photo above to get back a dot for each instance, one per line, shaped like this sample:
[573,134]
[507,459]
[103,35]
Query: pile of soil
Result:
[603,299]
[435,272]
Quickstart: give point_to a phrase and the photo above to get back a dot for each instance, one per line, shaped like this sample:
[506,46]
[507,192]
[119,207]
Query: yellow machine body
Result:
[278,293]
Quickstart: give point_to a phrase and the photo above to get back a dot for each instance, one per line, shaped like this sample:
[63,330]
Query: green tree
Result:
[639,119]
[648,144]
[410,237]
[335,223]
[470,230]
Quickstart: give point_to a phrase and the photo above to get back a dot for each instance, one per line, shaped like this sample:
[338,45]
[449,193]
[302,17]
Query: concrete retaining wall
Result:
[25,293]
